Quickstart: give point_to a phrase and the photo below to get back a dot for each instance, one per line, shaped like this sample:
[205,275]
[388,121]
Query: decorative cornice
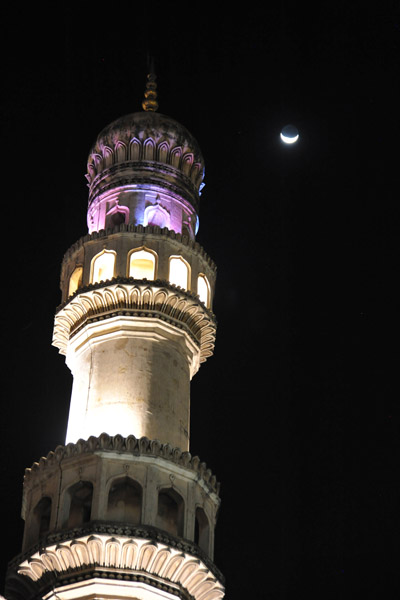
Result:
[104,550]
[163,177]
[140,229]
[139,298]
[129,445]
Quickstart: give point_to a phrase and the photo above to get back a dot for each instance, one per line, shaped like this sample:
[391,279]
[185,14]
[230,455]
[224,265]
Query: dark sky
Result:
[297,413]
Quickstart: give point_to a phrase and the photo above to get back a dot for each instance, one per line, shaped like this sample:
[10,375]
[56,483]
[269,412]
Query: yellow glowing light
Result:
[103,266]
[75,282]
[203,289]
[179,271]
[142,265]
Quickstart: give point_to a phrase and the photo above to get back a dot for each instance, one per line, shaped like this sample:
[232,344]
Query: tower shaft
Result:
[123,510]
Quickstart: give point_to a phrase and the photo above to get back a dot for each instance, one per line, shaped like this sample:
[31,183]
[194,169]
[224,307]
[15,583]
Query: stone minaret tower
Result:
[123,510]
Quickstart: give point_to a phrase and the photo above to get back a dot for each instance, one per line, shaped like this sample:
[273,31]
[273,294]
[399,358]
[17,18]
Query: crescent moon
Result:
[289,140]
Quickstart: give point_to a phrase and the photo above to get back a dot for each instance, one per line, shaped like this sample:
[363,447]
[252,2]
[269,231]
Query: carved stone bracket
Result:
[126,296]
[136,554]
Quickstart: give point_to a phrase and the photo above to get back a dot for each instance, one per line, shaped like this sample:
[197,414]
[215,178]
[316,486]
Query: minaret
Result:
[123,510]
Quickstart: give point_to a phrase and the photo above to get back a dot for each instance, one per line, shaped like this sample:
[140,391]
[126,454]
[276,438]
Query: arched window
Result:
[80,498]
[202,529]
[203,289]
[75,281]
[116,215]
[125,501]
[142,264]
[170,512]
[103,265]
[156,215]
[41,515]
[179,272]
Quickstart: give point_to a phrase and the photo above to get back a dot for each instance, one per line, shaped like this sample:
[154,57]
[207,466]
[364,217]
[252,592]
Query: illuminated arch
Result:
[179,271]
[75,281]
[155,214]
[204,290]
[102,266]
[142,264]
[117,215]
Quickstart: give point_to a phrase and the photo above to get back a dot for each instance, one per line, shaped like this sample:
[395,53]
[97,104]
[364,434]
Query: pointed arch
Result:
[102,266]
[75,280]
[155,214]
[162,152]
[176,155]
[187,162]
[170,512]
[179,271]
[116,215]
[120,152]
[204,290]
[195,172]
[125,501]
[142,263]
[78,504]
[108,156]
[149,149]
[202,529]
[135,148]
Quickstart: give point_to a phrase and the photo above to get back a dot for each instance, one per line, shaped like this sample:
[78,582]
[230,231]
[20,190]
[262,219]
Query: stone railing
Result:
[129,445]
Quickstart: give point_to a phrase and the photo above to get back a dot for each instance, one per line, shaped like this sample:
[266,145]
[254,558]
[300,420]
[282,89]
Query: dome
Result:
[145,169]
[147,125]
[147,136]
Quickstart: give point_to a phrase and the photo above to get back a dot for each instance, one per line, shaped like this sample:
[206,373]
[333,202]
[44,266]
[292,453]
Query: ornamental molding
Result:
[146,173]
[130,554]
[140,137]
[140,229]
[139,153]
[128,297]
[130,445]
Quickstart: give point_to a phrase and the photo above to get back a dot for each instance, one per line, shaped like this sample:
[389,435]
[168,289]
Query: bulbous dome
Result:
[136,157]
[147,136]
[147,125]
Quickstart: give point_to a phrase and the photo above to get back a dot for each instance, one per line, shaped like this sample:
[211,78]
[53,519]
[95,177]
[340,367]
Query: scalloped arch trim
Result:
[131,555]
[136,298]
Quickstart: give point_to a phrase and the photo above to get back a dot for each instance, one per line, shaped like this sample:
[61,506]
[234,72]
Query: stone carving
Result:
[147,137]
[130,445]
[158,299]
[138,552]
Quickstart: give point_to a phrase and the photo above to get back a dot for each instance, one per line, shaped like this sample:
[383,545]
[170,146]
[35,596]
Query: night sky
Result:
[297,413]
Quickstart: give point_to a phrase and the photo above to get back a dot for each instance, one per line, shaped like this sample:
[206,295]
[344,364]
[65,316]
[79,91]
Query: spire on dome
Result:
[150,95]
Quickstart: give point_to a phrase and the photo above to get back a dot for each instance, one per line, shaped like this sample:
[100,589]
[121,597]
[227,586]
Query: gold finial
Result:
[150,95]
